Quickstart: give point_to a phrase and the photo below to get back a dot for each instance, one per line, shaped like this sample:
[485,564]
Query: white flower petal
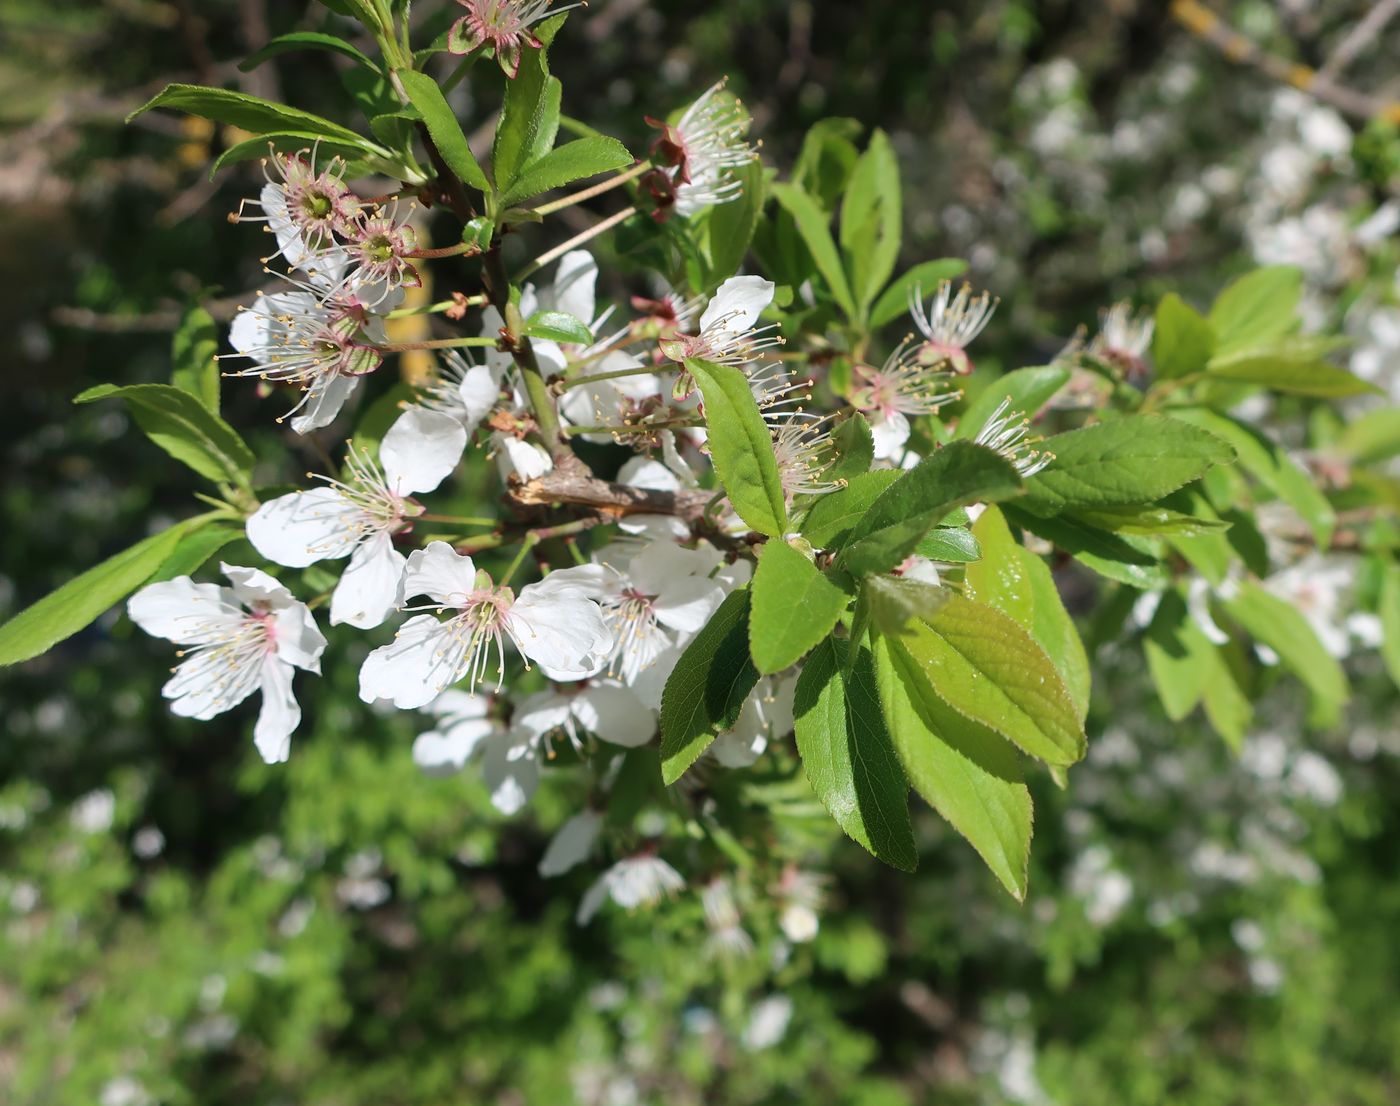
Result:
[444,752]
[540,713]
[571,845]
[525,459]
[207,684]
[561,630]
[439,571]
[280,714]
[369,587]
[296,637]
[739,302]
[643,472]
[182,611]
[687,604]
[615,715]
[411,671]
[253,585]
[890,433]
[305,527]
[575,281]
[510,779]
[327,396]
[479,391]
[421,449]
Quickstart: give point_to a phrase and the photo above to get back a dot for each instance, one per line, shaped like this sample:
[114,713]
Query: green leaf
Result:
[794,607]
[741,447]
[1374,436]
[707,688]
[583,157]
[987,667]
[194,550]
[305,40]
[1291,367]
[951,544]
[1257,308]
[557,326]
[872,220]
[443,127]
[1130,460]
[732,225]
[62,613]
[964,771]
[529,120]
[813,226]
[1179,656]
[1389,610]
[1182,340]
[1272,467]
[182,426]
[248,113]
[1124,558]
[1027,390]
[834,516]
[855,448]
[193,353]
[1148,521]
[999,578]
[1227,706]
[826,160]
[926,276]
[1053,628]
[253,148]
[848,755]
[1282,627]
[957,474]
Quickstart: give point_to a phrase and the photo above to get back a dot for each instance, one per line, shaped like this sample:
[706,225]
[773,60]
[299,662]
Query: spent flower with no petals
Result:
[504,26]
[950,323]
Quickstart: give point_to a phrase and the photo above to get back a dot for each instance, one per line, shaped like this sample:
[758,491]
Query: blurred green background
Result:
[182,924]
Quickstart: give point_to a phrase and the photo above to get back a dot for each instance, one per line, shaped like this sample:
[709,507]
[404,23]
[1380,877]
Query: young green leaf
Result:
[872,220]
[1271,466]
[855,448]
[1179,656]
[248,113]
[1148,521]
[193,353]
[305,40]
[62,613]
[957,474]
[834,516]
[952,544]
[443,127]
[529,120]
[252,149]
[557,326]
[194,551]
[707,688]
[182,426]
[1288,368]
[1373,436]
[583,157]
[814,227]
[1282,627]
[1000,578]
[1027,390]
[741,447]
[848,755]
[963,770]
[923,278]
[1055,631]
[731,225]
[1127,559]
[1136,459]
[1257,308]
[1390,620]
[794,606]
[1182,340]
[987,667]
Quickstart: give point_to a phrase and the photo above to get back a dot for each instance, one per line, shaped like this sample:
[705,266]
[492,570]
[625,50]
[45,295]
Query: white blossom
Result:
[358,517]
[551,622]
[245,638]
[642,880]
